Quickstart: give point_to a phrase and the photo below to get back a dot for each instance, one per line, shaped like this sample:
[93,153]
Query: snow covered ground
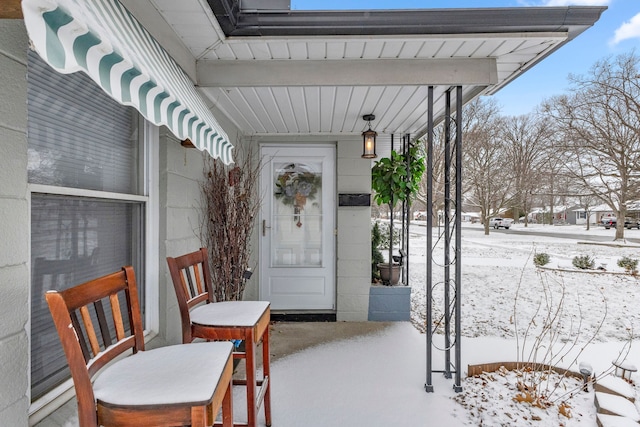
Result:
[378,380]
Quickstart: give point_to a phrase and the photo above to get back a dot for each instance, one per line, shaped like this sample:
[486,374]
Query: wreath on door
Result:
[295,184]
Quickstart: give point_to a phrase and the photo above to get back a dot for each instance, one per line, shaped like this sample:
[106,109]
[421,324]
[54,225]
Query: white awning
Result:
[102,39]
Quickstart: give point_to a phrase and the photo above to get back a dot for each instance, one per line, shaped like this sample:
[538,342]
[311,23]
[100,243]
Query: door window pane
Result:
[297,215]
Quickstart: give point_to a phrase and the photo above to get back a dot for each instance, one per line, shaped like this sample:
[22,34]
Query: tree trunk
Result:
[620,224]
[390,237]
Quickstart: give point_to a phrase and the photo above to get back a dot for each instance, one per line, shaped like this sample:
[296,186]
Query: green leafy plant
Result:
[397,178]
[384,235]
[541,259]
[583,262]
[629,264]
[376,255]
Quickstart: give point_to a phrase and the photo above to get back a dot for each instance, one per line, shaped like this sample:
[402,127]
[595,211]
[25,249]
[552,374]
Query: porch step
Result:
[616,386]
[614,421]
[610,404]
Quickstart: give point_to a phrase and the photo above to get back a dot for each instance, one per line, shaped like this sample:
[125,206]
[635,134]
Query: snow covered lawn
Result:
[378,380]
[559,307]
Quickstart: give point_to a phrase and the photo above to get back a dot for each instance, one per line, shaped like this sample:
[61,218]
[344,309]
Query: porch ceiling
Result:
[290,73]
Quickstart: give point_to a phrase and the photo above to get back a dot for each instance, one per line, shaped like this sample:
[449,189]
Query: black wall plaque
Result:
[354,199]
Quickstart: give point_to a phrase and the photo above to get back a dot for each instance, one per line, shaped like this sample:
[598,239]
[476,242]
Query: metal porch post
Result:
[457,386]
[429,320]
[452,238]
[447,235]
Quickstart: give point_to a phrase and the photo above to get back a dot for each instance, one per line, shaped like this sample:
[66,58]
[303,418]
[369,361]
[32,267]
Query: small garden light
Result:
[586,370]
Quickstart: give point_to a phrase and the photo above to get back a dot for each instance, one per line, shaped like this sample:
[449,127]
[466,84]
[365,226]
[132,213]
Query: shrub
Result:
[583,262]
[629,264]
[541,259]
[376,255]
[383,227]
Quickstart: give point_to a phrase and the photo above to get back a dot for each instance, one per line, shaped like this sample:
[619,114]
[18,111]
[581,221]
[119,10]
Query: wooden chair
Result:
[231,320]
[169,386]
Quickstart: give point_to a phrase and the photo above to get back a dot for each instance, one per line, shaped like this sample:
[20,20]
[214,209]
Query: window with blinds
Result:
[78,138]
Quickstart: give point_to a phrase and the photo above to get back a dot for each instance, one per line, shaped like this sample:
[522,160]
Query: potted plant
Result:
[394,179]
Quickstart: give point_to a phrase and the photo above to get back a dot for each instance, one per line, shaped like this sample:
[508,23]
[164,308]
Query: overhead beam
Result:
[10,9]
[361,72]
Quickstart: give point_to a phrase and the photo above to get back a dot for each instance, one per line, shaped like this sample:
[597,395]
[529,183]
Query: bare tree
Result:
[525,139]
[486,169]
[587,201]
[553,183]
[438,174]
[600,124]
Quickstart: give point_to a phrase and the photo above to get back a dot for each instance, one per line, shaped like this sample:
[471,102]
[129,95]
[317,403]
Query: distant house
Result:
[472,217]
[561,215]
[633,209]
[596,214]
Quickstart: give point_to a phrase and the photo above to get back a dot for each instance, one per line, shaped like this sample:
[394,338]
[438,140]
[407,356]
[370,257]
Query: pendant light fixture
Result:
[369,139]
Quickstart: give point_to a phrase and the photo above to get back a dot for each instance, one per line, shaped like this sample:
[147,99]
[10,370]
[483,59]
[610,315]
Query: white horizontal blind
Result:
[80,138]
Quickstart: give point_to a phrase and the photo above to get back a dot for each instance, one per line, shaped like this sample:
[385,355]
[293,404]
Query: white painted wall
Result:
[354,234]
[14,227]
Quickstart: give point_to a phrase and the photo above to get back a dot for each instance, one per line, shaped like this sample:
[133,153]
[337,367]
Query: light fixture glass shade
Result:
[369,144]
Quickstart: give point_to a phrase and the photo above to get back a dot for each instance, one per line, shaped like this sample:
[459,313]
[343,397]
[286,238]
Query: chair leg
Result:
[266,374]
[227,406]
[199,416]
[250,348]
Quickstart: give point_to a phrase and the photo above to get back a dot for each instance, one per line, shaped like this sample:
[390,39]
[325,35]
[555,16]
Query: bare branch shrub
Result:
[549,333]
[230,204]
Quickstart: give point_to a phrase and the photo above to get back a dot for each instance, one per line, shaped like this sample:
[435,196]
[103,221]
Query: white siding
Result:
[14,228]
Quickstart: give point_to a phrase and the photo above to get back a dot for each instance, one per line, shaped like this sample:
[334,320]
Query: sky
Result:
[616,32]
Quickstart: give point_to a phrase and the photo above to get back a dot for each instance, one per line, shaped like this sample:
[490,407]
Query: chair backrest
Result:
[111,302]
[191,279]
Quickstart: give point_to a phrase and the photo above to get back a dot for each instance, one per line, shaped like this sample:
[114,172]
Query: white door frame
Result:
[298,288]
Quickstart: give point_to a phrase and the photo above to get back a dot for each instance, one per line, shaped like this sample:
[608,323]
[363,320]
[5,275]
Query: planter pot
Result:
[391,276]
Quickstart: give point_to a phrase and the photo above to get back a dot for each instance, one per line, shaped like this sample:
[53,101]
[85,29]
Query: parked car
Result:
[629,223]
[608,222]
[420,215]
[499,222]
[632,223]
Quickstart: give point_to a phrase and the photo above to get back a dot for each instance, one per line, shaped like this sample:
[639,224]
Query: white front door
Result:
[297,224]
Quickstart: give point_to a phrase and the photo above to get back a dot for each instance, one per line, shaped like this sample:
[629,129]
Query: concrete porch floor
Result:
[286,338]
[291,337]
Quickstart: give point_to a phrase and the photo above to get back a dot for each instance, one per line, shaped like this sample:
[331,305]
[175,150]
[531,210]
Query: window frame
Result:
[149,176]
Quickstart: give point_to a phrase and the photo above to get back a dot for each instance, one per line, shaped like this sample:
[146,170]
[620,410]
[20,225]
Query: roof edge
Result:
[236,22]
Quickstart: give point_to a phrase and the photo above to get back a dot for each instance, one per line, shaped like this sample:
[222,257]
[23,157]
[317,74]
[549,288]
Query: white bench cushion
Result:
[186,373]
[229,313]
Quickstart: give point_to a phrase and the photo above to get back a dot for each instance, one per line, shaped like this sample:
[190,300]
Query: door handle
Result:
[264,227]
